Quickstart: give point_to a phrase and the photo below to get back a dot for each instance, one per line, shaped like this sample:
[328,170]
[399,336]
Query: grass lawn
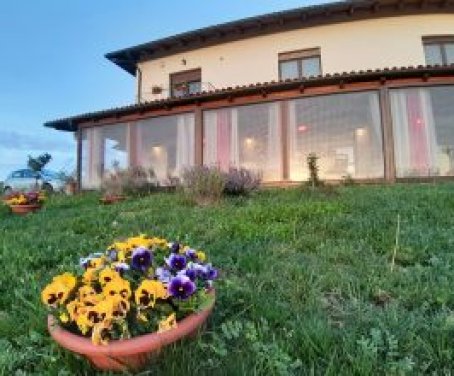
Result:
[306,287]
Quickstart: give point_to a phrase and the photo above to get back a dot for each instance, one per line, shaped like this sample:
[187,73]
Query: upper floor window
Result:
[187,82]
[439,50]
[299,64]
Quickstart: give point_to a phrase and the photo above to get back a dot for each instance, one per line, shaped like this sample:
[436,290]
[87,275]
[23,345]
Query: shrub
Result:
[241,182]
[130,181]
[203,185]
[314,181]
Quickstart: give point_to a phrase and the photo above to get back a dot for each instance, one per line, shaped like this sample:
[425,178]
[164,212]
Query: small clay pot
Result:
[24,209]
[108,200]
[130,354]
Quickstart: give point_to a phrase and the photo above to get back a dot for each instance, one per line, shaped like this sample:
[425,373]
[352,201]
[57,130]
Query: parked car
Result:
[27,179]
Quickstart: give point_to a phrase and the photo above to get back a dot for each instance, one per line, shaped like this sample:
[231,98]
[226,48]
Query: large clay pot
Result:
[24,209]
[107,200]
[130,354]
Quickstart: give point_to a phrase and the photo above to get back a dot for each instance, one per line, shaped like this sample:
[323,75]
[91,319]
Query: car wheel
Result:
[7,191]
[47,188]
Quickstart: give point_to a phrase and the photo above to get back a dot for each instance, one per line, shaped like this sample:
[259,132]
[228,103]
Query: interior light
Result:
[302,128]
[249,141]
[361,132]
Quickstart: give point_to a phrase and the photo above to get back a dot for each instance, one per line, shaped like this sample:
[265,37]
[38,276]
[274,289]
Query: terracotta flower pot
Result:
[24,209]
[131,354]
[107,200]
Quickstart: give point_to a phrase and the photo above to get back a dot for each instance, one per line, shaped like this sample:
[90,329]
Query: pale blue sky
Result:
[52,61]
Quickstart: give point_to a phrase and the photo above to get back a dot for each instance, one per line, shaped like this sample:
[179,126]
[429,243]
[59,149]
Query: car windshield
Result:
[51,174]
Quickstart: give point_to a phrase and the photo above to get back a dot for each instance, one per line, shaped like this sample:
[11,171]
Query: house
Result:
[366,85]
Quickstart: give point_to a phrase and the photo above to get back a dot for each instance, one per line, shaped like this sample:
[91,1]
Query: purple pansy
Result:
[175,247]
[191,253]
[176,261]
[141,259]
[181,287]
[163,275]
[209,273]
[121,267]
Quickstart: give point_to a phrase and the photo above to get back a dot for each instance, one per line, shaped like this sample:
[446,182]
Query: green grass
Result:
[306,286]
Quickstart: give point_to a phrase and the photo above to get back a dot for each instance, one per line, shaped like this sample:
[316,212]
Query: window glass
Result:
[289,69]
[194,87]
[433,54]
[423,129]
[103,149]
[245,136]
[449,48]
[166,145]
[311,66]
[343,130]
[17,174]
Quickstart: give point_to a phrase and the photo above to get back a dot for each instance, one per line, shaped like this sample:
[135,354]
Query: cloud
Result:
[27,141]
[16,146]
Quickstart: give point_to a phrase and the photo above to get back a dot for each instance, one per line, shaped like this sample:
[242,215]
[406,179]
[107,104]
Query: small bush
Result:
[203,185]
[130,181]
[241,182]
[312,164]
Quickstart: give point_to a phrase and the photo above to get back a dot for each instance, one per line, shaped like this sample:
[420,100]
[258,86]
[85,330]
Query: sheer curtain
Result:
[415,147]
[273,164]
[185,143]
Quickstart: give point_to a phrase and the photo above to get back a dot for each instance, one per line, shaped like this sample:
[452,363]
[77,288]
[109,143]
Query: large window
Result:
[299,64]
[439,50]
[103,149]
[186,82]
[423,128]
[343,130]
[246,136]
[166,145]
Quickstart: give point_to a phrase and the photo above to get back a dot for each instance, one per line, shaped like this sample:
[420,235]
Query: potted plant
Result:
[24,203]
[125,304]
[70,184]
[112,186]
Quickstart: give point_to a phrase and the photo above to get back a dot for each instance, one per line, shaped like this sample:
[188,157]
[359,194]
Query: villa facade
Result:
[366,85]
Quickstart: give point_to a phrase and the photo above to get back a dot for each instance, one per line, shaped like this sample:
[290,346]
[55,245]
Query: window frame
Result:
[441,41]
[299,56]
[184,77]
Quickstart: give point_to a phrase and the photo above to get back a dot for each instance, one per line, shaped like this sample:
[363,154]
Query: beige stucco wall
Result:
[360,45]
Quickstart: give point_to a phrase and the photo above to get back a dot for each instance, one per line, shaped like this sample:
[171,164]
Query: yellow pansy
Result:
[83,323]
[140,241]
[101,333]
[96,263]
[119,287]
[66,279]
[148,292]
[108,275]
[121,247]
[90,276]
[201,256]
[168,323]
[54,294]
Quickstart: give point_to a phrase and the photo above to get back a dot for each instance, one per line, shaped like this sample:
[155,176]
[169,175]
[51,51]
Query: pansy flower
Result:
[181,287]
[209,273]
[121,267]
[119,287]
[169,323]
[55,293]
[102,333]
[108,275]
[163,275]
[191,254]
[174,247]
[176,261]
[148,292]
[66,279]
[141,259]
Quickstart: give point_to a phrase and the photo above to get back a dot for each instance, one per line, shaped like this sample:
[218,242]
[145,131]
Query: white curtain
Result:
[210,136]
[185,143]
[273,169]
[404,132]
[295,162]
[234,139]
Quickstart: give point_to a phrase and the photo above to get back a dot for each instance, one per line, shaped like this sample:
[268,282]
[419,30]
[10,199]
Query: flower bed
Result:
[138,286]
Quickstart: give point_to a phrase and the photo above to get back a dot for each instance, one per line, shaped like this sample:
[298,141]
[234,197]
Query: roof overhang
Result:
[71,124]
[343,11]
